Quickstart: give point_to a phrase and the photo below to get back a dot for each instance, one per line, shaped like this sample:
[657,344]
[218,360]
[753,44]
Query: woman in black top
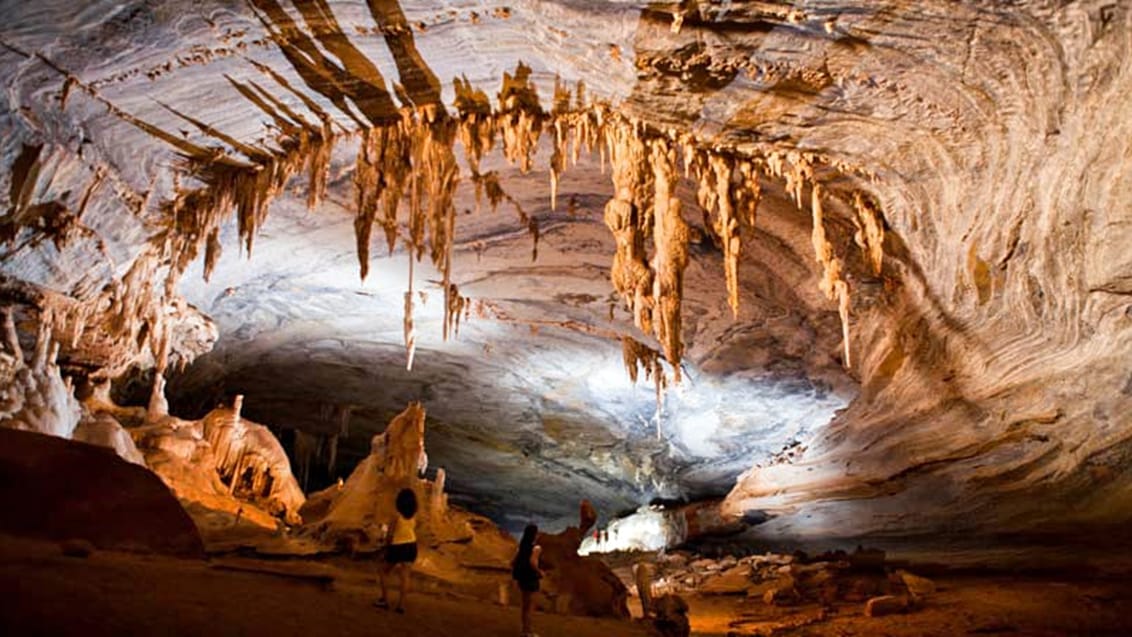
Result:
[525,570]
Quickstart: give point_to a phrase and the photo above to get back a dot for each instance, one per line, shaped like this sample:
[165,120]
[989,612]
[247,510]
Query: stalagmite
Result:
[439,501]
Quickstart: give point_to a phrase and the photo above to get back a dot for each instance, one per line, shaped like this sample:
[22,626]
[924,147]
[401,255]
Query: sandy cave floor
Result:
[43,592]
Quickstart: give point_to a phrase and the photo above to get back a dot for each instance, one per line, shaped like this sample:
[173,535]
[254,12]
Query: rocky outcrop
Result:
[62,490]
[579,585]
[222,462]
[356,513]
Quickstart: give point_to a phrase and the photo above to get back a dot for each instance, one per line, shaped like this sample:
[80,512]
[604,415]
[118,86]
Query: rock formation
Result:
[576,584]
[62,490]
[221,462]
[355,512]
[34,396]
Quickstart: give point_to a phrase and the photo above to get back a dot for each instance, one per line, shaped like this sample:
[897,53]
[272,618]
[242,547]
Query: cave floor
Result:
[43,592]
[966,605]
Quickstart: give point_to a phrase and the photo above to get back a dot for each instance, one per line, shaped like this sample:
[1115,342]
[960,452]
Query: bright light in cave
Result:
[649,529]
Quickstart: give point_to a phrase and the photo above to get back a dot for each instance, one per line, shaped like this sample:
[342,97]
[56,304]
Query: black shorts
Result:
[401,553]
[528,584]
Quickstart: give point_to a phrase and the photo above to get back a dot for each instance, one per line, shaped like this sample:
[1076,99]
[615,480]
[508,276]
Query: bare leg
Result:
[382,571]
[526,612]
[406,570]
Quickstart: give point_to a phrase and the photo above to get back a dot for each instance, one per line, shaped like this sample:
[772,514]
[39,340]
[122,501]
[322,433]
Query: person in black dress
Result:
[525,570]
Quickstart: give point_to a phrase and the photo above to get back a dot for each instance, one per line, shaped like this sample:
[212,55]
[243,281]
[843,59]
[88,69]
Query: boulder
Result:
[671,618]
[781,592]
[586,585]
[59,489]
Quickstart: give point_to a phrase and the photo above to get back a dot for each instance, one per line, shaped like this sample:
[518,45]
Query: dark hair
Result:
[406,503]
[522,560]
[528,541]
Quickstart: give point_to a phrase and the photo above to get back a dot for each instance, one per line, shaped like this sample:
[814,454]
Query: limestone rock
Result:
[223,462]
[33,394]
[886,605]
[919,207]
[585,584]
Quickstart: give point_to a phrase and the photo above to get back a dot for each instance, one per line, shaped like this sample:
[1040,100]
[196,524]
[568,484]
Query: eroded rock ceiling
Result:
[921,208]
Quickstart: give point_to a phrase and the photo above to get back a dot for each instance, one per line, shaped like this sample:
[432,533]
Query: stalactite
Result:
[670,237]
[630,273]
[410,332]
[870,231]
[728,229]
[369,186]
[559,113]
[476,130]
[640,357]
[319,147]
[831,284]
[750,194]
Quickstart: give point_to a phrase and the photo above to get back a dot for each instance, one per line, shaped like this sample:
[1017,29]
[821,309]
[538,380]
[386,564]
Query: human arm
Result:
[390,529]
[535,553]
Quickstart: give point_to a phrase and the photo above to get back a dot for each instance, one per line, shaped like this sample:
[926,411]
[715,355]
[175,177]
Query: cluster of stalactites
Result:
[412,158]
[798,170]
[728,194]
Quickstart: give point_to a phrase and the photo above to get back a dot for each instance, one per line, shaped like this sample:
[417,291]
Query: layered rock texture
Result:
[760,212]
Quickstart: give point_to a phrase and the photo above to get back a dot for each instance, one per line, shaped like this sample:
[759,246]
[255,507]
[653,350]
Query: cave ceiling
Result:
[924,218]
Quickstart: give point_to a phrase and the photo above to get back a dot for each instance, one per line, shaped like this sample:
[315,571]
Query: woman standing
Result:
[401,548]
[525,570]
